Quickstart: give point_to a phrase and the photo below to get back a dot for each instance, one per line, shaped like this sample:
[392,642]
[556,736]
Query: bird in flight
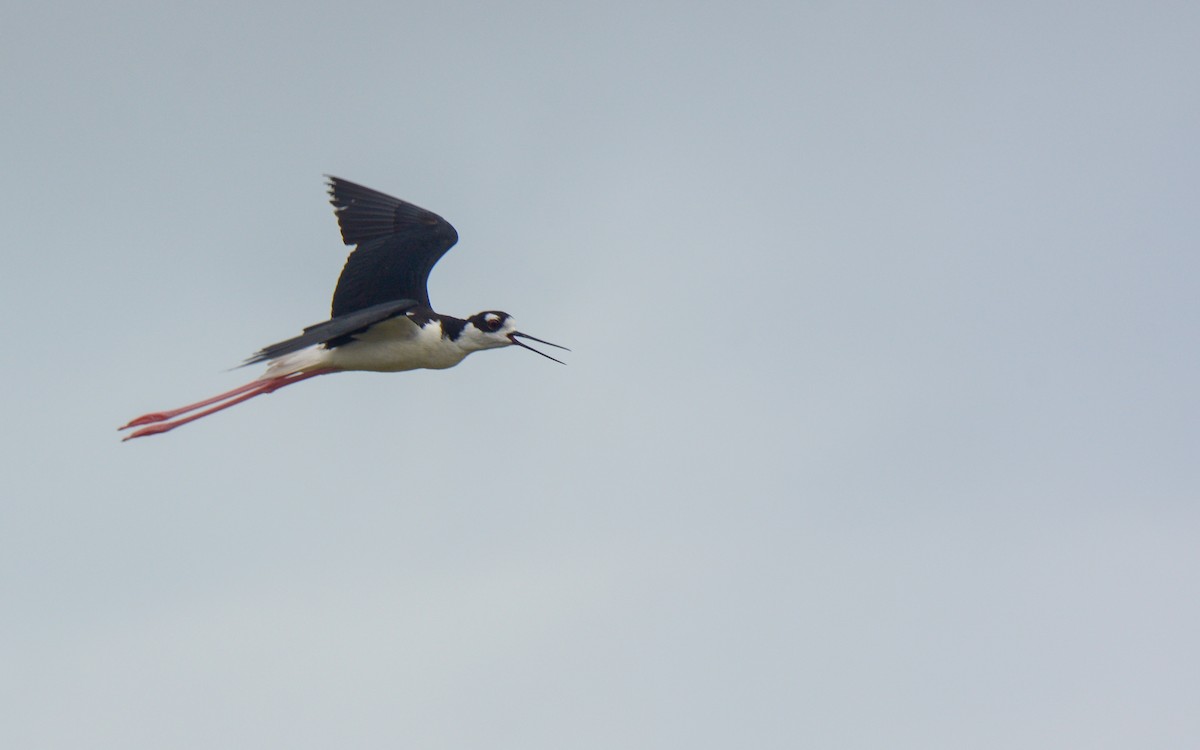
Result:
[381,319]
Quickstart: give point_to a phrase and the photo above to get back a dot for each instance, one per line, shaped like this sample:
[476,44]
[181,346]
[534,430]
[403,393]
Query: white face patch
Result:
[477,335]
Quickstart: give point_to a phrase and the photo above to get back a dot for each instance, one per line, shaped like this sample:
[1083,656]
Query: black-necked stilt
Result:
[381,319]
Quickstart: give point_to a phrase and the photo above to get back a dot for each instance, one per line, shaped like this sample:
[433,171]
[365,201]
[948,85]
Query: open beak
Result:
[517,334]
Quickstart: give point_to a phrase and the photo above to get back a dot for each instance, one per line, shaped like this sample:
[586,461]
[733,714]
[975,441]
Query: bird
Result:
[381,319]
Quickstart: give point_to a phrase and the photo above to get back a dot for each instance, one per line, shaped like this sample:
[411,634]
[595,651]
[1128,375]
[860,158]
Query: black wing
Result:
[398,245]
[331,331]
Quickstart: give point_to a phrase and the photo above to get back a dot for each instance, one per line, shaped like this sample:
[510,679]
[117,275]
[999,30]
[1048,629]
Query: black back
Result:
[335,332]
[397,246]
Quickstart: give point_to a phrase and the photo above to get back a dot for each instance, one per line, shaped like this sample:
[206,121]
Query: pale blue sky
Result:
[880,428]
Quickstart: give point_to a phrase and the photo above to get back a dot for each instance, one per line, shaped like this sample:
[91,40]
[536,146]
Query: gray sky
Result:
[880,428]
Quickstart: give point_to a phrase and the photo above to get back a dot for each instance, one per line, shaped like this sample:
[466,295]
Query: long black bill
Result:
[515,334]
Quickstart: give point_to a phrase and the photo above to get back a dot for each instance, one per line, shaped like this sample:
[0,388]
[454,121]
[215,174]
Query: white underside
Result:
[391,346]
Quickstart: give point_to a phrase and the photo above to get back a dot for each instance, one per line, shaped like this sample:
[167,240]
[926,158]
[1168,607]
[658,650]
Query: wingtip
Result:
[331,183]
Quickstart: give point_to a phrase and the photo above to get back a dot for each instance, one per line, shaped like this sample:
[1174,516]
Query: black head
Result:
[492,329]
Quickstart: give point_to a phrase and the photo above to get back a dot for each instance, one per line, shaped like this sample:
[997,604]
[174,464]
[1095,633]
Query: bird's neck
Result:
[451,328]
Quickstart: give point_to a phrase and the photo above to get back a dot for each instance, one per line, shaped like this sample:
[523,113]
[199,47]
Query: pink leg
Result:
[162,416]
[158,420]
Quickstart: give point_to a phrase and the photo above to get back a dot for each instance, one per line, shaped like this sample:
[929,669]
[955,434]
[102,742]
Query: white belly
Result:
[395,345]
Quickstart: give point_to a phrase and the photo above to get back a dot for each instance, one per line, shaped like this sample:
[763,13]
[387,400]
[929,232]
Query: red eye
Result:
[493,324]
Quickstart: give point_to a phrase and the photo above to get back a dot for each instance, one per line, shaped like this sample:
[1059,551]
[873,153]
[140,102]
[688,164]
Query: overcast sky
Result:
[880,429]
